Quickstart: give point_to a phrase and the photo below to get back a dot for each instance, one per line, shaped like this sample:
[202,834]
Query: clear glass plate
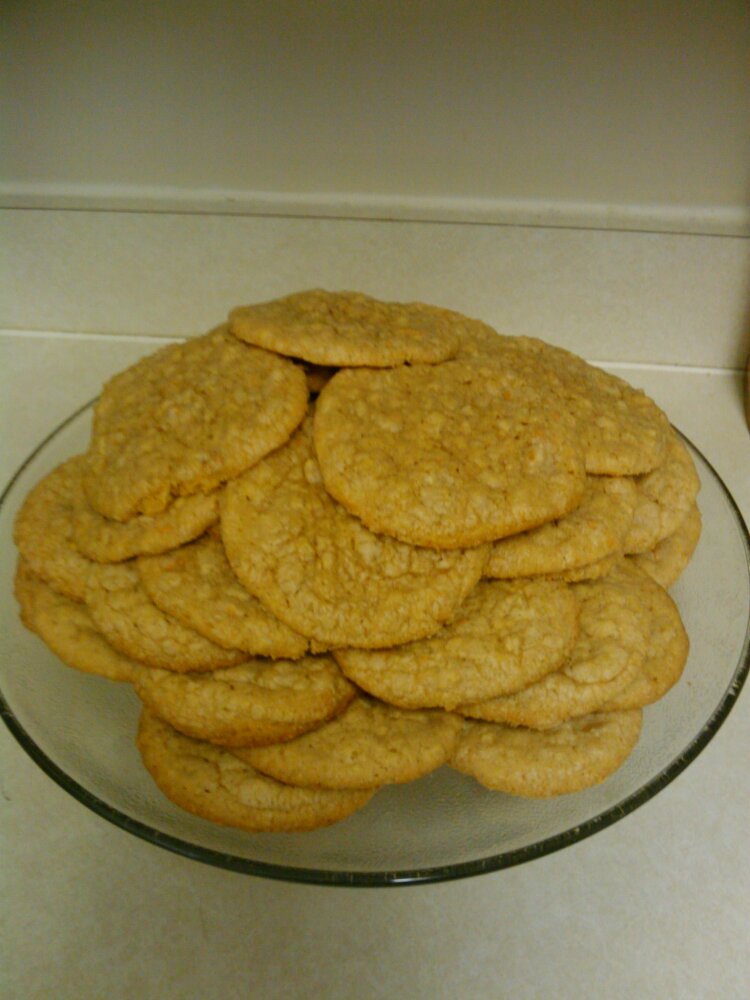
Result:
[80,730]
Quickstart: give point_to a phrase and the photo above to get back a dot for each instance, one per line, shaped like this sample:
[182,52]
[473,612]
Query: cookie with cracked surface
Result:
[369,745]
[44,530]
[667,561]
[320,570]
[621,430]
[105,540]
[594,530]
[255,703]
[347,328]
[131,622]
[665,496]
[666,654]
[447,455]
[576,755]
[196,585]
[611,646]
[68,629]
[216,785]
[506,635]
[186,419]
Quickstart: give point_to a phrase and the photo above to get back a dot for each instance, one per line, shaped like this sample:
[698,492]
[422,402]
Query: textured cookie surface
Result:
[506,635]
[185,419]
[195,584]
[104,540]
[445,455]
[611,646]
[574,756]
[370,744]
[667,561]
[132,623]
[665,496]
[317,568]
[594,530]
[68,629]
[43,530]
[215,784]
[258,702]
[347,328]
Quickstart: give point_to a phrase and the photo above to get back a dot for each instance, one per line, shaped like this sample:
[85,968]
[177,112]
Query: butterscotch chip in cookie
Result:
[347,328]
[665,496]
[446,455]
[43,530]
[370,744]
[68,629]
[612,644]
[131,622]
[574,756]
[667,561]
[186,419]
[196,585]
[621,430]
[594,530]
[320,570]
[506,635]
[213,783]
[666,654]
[258,702]
[105,540]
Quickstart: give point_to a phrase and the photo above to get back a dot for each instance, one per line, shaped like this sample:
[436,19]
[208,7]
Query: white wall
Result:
[631,114]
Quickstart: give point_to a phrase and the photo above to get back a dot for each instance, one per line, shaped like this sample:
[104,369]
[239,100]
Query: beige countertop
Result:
[655,906]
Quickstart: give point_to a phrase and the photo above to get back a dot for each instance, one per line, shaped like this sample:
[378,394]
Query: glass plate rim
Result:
[411,876]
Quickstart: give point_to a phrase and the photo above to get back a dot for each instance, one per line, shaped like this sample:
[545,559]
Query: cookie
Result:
[43,530]
[214,784]
[131,622]
[347,328]
[105,540]
[258,702]
[576,755]
[664,498]
[68,629]
[506,635]
[594,530]
[195,584]
[445,456]
[369,745]
[185,419]
[591,571]
[667,561]
[317,568]
[611,646]
[666,654]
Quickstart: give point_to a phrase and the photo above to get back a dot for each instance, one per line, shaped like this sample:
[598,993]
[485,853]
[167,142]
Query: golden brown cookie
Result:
[43,530]
[317,568]
[215,784]
[105,540]
[446,455]
[594,530]
[131,622]
[506,635]
[67,628]
[196,585]
[347,328]
[186,419]
[574,756]
[665,496]
[370,744]
[611,646]
[667,561]
[258,702]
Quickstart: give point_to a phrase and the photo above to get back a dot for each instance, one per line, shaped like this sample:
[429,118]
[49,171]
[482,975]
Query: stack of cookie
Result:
[337,543]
